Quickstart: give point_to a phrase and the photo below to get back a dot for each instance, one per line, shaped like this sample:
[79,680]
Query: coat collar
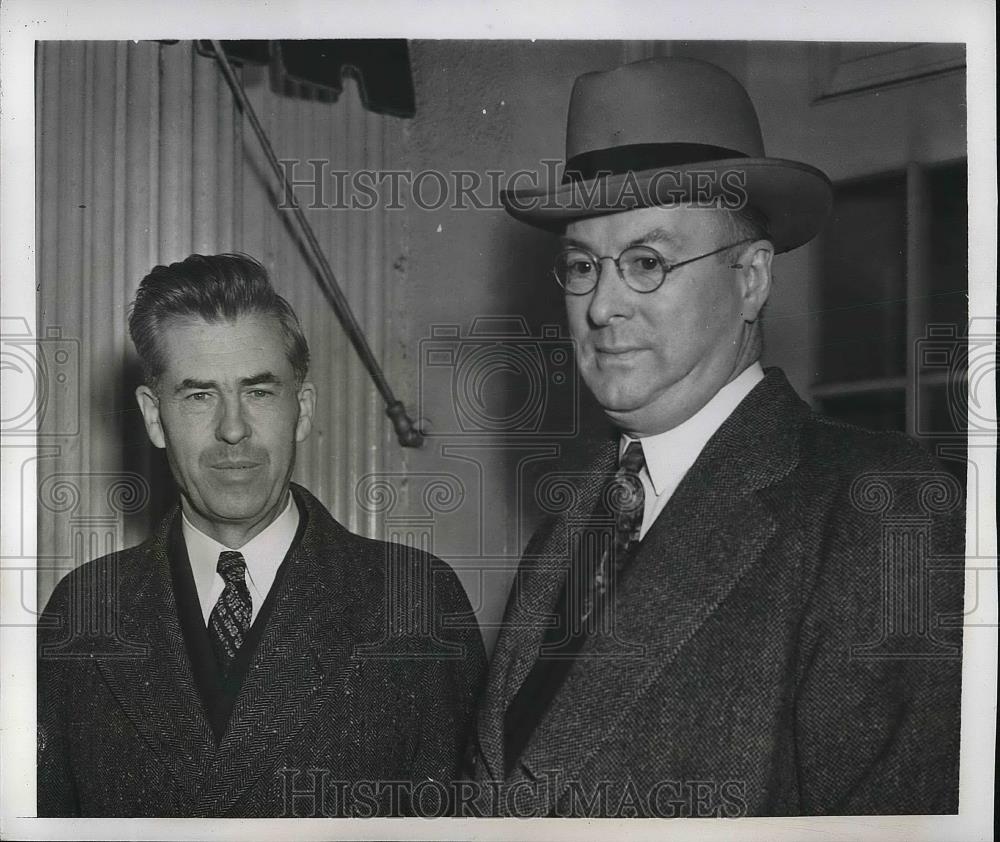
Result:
[304,653]
[681,575]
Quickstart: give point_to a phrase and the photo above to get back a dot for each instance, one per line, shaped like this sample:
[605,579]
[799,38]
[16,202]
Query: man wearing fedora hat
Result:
[732,613]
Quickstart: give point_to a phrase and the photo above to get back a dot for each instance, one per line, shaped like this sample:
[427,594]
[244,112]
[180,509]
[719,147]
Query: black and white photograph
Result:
[421,423]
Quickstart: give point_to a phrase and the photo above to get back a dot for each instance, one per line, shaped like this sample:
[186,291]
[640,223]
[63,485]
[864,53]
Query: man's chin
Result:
[234,506]
[614,396]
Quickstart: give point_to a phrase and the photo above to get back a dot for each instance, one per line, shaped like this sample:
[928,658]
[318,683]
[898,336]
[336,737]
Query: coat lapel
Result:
[303,657]
[533,599]
[710,534]
[156,689]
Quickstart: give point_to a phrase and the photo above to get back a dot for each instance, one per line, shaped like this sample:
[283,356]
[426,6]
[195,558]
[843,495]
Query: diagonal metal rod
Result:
[406,431]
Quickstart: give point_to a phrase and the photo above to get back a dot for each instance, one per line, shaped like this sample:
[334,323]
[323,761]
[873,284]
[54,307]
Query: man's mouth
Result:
[620,352]
[241,465]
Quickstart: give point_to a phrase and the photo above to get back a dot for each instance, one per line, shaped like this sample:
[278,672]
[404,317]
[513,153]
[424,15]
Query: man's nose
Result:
[232,427]
[611,296]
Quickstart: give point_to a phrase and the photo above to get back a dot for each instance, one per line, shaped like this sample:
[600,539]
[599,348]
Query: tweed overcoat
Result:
[787,639]
[358,677]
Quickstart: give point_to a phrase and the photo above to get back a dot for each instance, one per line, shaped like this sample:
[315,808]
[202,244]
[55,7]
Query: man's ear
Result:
[307,405]
[755,276]
[149,406]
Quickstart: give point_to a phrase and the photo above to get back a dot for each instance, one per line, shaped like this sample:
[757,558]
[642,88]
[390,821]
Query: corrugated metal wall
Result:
[141,158]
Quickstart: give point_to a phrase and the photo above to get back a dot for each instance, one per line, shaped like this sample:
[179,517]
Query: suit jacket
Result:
[785,641]
[366,671]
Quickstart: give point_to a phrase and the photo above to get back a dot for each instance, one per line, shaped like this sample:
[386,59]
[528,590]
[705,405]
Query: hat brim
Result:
[795,197]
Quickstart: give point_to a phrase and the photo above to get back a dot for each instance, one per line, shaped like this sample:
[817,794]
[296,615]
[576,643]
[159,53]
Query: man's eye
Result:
[198,397]
[260,393]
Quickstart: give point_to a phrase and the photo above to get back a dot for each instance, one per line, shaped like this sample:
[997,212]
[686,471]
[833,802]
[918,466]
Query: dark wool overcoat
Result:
[366,674]
[787,639]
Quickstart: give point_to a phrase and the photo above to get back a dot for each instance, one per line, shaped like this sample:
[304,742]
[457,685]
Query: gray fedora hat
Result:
[668,131]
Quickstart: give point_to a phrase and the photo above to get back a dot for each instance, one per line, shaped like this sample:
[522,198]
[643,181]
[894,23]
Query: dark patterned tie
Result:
[625,499]
[230,618]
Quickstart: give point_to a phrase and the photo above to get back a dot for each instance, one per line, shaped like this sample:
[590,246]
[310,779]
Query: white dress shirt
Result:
[263,555]
[670,455]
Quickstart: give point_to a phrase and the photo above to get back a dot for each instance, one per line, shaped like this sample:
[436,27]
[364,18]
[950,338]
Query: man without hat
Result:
[244,660]
[708,627]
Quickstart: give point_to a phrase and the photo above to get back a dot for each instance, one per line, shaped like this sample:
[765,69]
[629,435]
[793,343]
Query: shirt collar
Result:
[263,553]
[670,454]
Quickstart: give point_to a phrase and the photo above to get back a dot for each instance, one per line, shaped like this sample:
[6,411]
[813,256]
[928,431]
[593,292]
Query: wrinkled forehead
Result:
[672,227]
[228,348]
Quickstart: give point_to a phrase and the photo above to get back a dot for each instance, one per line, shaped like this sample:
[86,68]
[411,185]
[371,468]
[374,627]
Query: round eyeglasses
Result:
[643,268]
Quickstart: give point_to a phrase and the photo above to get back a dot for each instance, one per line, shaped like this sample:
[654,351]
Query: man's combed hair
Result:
[215,288]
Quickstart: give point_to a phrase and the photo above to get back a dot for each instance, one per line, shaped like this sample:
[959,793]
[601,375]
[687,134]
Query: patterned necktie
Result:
[625,499]
[628,501]
[230,618]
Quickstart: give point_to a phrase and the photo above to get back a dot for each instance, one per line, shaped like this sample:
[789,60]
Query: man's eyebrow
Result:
[654,235]
[189,383]
[257,379]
